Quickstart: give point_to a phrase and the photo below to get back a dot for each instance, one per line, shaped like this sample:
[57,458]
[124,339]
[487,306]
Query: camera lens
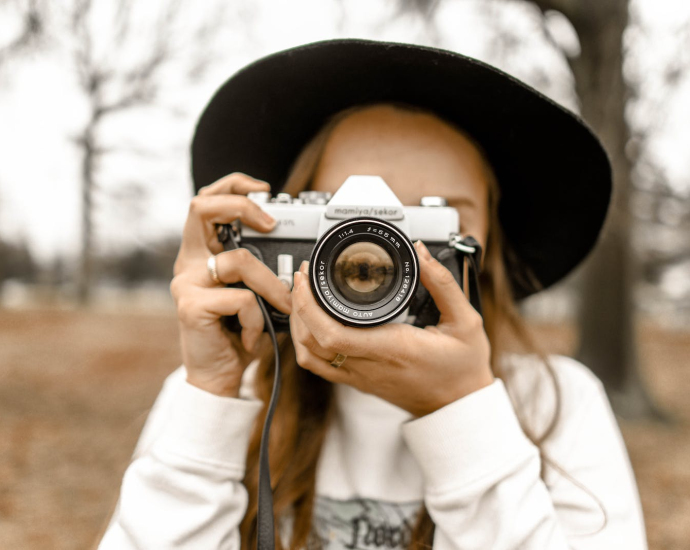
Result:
[364,271]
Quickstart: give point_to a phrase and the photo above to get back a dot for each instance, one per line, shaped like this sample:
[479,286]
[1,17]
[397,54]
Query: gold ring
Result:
[339,360]
[212,268]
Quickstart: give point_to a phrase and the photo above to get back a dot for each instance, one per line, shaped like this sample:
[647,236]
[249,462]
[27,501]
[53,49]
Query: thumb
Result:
[444,289]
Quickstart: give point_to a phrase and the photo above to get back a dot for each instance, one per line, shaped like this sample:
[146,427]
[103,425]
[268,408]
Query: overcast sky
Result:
[41,107]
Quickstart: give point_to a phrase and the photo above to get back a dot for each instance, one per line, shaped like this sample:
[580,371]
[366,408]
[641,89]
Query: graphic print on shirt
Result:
[363,524]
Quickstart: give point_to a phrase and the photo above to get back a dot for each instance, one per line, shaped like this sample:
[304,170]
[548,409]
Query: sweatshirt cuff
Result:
[208,428]
[468,439]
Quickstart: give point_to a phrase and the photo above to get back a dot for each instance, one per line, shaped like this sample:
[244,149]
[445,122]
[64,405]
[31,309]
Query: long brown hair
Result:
[305,406]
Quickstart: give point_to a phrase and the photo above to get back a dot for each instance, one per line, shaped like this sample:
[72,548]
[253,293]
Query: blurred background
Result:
[98,100]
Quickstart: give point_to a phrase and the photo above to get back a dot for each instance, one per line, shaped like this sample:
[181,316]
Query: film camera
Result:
[363,268]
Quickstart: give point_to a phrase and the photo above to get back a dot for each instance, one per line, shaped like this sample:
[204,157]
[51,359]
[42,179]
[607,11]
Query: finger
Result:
[238,265]
[301,334]
[312,362]
[236,183]
[372,343]
[205,211]
[444,289]
[212,303]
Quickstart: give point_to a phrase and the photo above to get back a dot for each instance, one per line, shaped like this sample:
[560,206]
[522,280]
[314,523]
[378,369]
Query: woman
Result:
[429,436]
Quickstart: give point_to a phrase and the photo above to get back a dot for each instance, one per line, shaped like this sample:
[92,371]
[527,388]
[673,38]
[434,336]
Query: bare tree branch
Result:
[33,16]
[113,84]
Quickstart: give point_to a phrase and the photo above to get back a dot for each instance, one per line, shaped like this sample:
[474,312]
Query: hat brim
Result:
[553,172]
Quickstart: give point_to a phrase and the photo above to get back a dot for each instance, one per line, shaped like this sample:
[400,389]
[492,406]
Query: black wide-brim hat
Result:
[553,173]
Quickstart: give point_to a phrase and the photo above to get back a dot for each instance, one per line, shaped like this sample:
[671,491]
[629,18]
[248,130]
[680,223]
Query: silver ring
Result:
[339,360]
[212,268]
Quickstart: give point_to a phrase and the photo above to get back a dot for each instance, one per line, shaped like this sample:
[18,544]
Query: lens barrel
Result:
[364,272]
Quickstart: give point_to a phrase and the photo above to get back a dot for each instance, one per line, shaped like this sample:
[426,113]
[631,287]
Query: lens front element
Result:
[364,273]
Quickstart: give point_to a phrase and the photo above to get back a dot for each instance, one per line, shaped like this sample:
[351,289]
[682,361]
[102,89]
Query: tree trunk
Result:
[85,281]
[607,314]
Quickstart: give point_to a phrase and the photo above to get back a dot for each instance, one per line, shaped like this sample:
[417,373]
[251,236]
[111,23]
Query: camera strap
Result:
[469,251]
[265,527]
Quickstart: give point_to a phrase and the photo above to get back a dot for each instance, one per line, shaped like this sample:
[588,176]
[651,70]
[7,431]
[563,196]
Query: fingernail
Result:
[304,266]
[422,250]
[270,220]
[297,279]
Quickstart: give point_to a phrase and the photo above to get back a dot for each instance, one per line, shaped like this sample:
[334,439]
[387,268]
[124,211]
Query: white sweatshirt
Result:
[469,462]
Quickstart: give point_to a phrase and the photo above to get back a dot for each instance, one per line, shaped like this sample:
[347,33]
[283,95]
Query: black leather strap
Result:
[265,522]
[474,260]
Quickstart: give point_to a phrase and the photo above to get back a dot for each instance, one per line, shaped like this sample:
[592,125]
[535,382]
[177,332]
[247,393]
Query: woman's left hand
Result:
[418,370]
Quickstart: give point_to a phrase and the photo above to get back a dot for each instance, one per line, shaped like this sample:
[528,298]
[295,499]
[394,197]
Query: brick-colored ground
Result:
[75,387]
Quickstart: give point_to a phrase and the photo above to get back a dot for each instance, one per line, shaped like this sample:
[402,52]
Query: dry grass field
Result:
[75,388]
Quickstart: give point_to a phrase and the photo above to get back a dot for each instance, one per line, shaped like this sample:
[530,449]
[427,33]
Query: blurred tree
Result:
[660,200]
[16,262]
[153,262]
[57,272]
[607,313]
[122,51]
[29,22]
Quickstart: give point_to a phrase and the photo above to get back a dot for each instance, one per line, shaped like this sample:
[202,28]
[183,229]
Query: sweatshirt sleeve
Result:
[482,483]
[183,488]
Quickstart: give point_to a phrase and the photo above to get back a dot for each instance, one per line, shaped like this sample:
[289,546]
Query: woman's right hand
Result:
[214,357]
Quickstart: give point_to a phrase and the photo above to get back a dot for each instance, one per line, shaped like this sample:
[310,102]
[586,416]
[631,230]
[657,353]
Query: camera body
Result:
[363,268]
